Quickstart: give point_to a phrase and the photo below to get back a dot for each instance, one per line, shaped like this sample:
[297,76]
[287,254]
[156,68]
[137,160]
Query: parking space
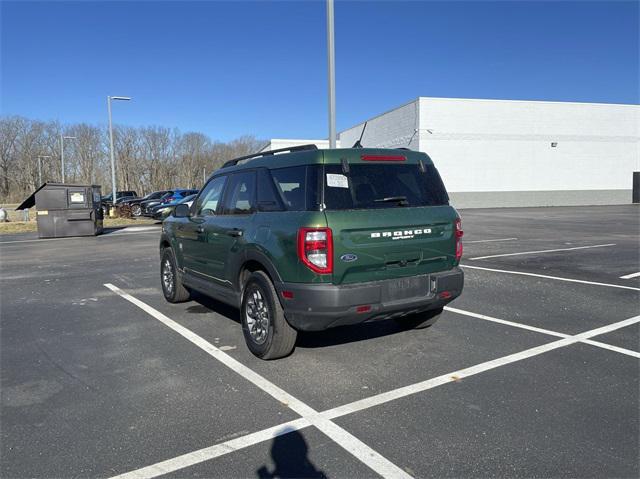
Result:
[103,380]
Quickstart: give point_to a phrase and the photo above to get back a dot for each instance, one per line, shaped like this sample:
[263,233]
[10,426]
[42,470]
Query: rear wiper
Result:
[401,200]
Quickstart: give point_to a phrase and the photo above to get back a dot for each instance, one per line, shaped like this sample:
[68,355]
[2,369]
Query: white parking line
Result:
[542,251]
[491,240]
[558,278]
[470,371]
[211,452]
[322,420]
[628,352]
[349,442]
[629,276]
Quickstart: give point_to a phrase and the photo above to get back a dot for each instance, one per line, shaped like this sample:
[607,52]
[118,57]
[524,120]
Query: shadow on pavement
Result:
[289,454]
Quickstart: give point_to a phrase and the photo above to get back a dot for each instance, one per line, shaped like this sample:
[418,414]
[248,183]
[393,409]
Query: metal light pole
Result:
[332,79]
[113,159]
[40,167]
[62,138]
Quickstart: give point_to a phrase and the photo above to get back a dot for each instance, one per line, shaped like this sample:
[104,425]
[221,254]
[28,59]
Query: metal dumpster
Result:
[66,210]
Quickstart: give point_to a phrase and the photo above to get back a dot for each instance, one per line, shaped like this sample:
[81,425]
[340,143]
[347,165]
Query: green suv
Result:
[308,239]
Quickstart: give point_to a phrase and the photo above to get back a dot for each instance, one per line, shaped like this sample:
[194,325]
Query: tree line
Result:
[147,158]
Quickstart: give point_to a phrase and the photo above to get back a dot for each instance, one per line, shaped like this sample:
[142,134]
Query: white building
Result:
[515,153]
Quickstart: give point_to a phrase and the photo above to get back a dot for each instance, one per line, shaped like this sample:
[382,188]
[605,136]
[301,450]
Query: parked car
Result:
[136,208]
[107,202]
[163,210]
[310,239]
[168,197]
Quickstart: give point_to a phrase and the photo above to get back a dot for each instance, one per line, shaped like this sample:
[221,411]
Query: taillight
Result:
[315,249]
[383,158]
[458,234]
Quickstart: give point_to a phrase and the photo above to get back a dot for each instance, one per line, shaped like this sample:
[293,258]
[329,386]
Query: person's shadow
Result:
[289,455]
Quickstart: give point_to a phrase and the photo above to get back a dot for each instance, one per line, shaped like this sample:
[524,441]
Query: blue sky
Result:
[234,68]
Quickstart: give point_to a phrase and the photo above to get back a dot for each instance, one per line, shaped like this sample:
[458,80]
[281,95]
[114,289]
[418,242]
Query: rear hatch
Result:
[389,214]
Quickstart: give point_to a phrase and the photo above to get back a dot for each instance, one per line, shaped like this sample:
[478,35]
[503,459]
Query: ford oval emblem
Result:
[348,258]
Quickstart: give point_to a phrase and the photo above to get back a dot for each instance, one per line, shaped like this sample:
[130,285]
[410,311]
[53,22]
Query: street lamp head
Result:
[69,137]
[124,98]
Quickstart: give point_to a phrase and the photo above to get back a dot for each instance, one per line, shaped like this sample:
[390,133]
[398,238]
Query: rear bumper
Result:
[316,307]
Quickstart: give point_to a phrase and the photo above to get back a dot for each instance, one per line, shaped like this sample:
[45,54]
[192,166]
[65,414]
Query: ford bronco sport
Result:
[308,239]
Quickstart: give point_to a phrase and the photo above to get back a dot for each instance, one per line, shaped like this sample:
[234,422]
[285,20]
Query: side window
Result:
[207,202]
[240,196]
[268,198]
[291,185]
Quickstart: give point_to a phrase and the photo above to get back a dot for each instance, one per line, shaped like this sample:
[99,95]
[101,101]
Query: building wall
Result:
[393,129]
[275,144]
[500,153]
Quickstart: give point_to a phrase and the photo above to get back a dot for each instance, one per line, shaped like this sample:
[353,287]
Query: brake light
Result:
[383,158]
[458,234]
[315,249]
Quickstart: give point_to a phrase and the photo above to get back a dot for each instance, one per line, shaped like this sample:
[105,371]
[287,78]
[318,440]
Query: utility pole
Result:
[113,159]
[332,80]
[62,138]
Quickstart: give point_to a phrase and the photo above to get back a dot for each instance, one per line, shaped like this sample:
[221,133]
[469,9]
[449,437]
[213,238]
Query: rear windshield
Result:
[382,186]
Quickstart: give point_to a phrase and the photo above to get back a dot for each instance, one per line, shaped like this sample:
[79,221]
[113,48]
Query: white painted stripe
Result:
[542,331]
[322,420]
[570,280]
[507,323]
[542,251]
[236,366]
[610,347]
[361,451]
[388,396]
[629,276]
[490,240]
[470,371]
[208,453]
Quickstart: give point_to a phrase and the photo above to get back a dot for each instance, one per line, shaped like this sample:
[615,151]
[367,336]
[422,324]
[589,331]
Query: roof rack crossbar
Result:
[235,161]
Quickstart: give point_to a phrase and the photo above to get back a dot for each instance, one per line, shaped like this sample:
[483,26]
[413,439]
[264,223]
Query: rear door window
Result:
[298,187]
[240,196]
[268,197]
[382,186]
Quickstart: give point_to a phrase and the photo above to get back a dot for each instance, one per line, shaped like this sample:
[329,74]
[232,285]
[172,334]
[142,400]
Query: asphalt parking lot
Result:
[532,372]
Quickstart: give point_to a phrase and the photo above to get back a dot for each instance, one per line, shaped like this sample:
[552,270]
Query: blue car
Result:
[169,197]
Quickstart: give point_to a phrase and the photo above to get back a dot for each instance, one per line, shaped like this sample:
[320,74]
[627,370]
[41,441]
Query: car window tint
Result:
[240,194]
[207,202]
[291,185]
[368,186]
[268,198]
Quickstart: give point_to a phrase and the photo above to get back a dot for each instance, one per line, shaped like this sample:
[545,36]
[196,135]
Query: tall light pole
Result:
[113,158]
[332,80]
[40,167]
[62,138]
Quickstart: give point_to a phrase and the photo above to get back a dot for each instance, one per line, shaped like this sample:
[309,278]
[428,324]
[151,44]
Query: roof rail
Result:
[291,149]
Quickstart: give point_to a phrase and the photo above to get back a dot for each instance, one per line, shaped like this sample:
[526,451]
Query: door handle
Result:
[234,232]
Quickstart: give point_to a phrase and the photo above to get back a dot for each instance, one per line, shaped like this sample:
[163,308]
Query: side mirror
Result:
[181,211]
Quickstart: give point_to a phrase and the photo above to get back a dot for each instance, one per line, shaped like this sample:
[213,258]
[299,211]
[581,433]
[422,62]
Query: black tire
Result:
[136,210]
[420,320]
[172,287]
[269,336]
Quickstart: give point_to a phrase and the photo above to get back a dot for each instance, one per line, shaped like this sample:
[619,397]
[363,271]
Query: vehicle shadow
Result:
[348,334]
[307,339]
[209,305]
[289,454]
